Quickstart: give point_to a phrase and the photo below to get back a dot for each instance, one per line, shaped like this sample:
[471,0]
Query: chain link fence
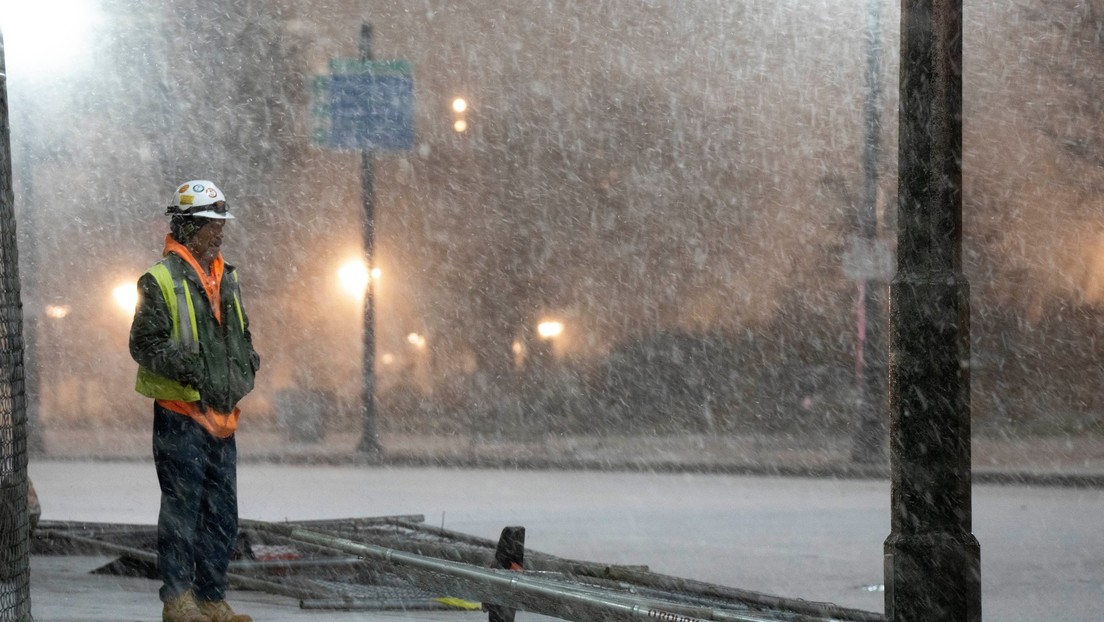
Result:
[15,599]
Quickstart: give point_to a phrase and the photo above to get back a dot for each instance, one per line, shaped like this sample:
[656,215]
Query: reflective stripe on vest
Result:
[237,300]
[179,300]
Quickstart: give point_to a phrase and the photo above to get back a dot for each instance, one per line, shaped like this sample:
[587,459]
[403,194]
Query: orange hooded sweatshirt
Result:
[220,425]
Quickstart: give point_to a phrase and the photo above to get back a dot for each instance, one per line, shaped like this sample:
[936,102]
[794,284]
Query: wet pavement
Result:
[62,590]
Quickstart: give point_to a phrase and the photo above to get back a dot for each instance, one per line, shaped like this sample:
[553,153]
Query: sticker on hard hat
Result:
[211,192]
[198,188]
[182,188]
[186,199]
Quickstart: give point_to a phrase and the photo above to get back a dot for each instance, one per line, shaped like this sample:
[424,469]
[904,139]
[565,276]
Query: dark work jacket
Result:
[225,365]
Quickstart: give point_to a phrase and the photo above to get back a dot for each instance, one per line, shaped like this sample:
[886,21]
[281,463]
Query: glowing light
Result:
[126,297]
[47,37]
[353,275]
[459,104]
[416,340]
[57,312]
[460,126]
[550,329]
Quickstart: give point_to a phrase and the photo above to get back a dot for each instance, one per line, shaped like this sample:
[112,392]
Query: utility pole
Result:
[870,432]
[369,441]
[932,560]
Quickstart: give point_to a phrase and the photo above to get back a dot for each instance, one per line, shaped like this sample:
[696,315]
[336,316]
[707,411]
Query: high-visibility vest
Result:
[178,297]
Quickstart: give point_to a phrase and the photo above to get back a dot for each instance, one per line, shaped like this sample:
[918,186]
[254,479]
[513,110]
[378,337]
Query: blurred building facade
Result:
[674,182]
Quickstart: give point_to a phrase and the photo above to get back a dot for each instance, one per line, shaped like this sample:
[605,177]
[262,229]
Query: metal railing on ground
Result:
[398,562]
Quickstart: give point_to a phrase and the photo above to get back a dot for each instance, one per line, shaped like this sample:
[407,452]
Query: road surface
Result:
[819,539]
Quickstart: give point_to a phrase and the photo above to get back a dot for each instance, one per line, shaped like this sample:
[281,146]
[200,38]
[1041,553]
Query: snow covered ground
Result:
[819,539]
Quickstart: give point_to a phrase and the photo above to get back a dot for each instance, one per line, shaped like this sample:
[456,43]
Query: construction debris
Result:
[398,562]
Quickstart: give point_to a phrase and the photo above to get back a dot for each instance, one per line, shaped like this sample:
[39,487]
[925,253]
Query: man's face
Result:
[207,241]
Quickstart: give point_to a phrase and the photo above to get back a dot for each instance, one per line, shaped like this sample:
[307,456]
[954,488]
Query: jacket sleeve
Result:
[254,358]
[151,343]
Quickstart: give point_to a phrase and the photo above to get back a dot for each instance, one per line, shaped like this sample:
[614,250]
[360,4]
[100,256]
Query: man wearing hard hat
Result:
[190,337]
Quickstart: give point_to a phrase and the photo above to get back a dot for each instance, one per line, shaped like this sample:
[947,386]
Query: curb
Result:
[829,471]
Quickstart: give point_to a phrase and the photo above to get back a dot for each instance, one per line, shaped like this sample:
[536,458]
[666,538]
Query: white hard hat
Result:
[199,198]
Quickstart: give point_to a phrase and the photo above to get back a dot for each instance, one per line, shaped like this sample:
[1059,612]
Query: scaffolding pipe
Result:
[535,559]
[372,604]
[690,586]
[369,521]
[509,588]
[273,565]
[481,557]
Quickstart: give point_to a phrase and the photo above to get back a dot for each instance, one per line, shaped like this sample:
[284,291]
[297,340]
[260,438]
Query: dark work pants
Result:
[198,524]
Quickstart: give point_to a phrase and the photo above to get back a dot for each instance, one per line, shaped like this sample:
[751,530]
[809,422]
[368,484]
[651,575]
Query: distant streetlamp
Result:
[543,351]
[355,277]
[126,297]
[416,340]
[550,329]
[57,312]
[459,116]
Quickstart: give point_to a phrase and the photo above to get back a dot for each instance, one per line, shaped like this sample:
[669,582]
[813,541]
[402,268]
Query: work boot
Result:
[220,611]
[183,608]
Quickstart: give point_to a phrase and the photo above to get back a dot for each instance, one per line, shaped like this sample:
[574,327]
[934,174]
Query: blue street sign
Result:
[366,106]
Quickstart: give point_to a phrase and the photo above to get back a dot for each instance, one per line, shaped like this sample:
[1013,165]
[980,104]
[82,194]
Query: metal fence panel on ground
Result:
[399,562]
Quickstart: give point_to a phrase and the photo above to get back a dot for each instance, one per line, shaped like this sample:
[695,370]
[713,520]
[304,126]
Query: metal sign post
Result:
[870,362]
[366,106]
[369,439]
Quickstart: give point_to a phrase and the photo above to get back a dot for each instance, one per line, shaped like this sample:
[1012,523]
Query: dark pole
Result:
[369,442]
[869,441]
[932,560]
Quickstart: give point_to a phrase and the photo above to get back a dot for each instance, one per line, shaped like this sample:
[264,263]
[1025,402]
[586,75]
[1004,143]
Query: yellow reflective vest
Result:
[178,296]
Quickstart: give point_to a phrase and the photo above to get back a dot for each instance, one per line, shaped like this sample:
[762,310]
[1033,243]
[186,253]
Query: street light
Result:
[544,350]
[43,40]
[459,116]
[550,329]
[354,277]
[126,297]
[57,312]
[46,37]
